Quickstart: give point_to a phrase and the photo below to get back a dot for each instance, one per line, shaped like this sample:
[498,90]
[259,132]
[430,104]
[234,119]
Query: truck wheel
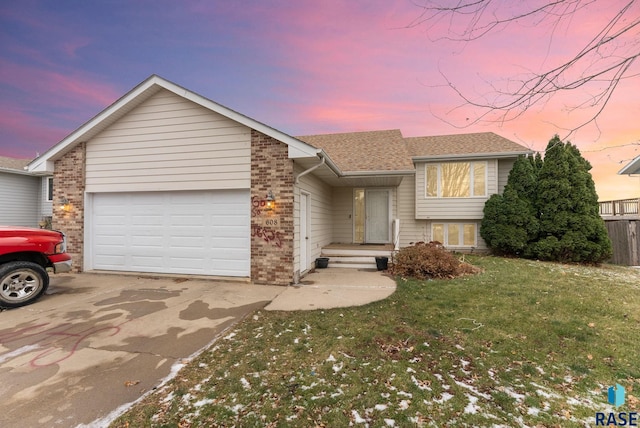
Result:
[21,283]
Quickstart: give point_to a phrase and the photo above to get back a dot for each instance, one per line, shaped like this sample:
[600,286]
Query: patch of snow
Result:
[236,409]
[422,385]
[203,402]
[459,347]
[357,418]
[472,389]
[404,405]
[380,407]
[331,358]
[410,370]
[405,394]
[471,408]
[245,383]
[229,336]
[168,398]
[390,422]
[445,397]
[337,367]
[338,393]
[534,411]
[511,393]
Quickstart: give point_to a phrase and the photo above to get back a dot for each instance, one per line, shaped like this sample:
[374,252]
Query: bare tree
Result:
[600,65]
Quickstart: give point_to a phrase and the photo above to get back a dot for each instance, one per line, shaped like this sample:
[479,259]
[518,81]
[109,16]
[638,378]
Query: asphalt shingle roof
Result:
[389,151]
[461,144]
[364,151]
[13,163]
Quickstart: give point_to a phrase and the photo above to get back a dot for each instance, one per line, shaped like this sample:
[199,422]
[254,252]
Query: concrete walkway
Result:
[334,288]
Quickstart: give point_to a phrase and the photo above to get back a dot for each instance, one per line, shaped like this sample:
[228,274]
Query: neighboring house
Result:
[24,197]
[167,181]
[632,168]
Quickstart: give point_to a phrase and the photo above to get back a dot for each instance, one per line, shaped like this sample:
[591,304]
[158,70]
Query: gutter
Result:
[352,174]
[313,168]
[500,155]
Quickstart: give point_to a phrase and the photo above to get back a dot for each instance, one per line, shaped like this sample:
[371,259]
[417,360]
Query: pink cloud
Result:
[58,88]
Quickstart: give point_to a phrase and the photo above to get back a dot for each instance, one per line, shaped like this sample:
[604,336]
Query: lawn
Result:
[524,343]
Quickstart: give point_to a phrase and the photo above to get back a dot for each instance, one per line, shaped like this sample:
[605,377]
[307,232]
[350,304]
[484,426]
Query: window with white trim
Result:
[456,179]
[455,234]
[49,188]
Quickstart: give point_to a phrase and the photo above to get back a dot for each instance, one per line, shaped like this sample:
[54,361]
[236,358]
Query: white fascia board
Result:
[632,168]
[15,171]
[352,174]
[501,155]
[295,152]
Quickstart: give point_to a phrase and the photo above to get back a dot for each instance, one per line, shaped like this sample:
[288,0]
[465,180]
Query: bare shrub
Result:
[429,261]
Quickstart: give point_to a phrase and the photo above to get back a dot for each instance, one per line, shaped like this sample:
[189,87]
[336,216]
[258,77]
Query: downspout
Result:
[305,172]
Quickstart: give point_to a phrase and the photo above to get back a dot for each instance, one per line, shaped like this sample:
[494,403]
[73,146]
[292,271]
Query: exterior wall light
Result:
[270,201]
[65,205]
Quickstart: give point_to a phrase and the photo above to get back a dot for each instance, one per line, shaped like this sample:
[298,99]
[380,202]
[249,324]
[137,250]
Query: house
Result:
[25,199]
[632,168]
[167,181]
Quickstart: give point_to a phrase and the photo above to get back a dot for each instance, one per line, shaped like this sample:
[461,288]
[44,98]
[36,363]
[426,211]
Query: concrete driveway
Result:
[97,342]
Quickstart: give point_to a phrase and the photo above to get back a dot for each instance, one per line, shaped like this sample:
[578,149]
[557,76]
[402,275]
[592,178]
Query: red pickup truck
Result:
[25,255]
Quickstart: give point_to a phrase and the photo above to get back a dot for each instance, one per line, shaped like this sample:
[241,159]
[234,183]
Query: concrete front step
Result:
[353,262]
[332,252]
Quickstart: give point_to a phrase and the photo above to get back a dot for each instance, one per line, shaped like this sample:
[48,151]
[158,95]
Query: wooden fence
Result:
[625,241]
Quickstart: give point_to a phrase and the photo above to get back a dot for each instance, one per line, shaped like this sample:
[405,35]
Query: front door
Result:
[377,216]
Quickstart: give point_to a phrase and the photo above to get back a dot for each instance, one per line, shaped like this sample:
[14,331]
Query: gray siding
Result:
[411,229]
[448,208]
[169,143]
[504,167]
[19,200]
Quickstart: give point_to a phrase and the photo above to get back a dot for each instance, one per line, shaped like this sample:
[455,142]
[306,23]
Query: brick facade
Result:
[69,183]
[272,233]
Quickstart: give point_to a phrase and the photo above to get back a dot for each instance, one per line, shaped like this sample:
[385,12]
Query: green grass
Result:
[522,343]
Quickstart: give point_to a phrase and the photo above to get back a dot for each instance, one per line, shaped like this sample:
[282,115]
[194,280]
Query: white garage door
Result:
[191,232]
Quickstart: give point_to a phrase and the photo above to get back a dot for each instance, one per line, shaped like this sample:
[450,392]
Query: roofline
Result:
[386,173]
[497,155]
[15,171]
[330,163]
[44,163]
[634,164]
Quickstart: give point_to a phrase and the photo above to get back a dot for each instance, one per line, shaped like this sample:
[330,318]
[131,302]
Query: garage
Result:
[179,232]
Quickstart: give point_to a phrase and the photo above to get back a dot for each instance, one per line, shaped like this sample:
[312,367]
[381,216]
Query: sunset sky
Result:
[304,67]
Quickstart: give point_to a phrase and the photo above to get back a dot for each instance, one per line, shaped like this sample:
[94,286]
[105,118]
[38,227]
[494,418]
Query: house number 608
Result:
[272,222]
